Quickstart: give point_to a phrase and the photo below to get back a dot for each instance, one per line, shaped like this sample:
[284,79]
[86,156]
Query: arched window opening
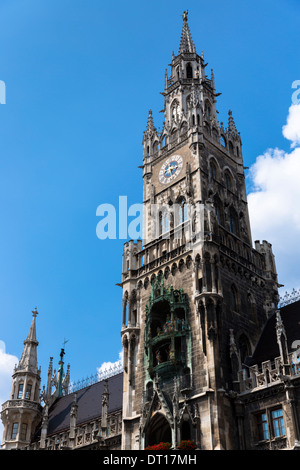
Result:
[28,392]
[189,71]
[182,211]
[233,222]
[218,210]
[158,431]
[20,391]
[212,170]
[227,179]
[207,111]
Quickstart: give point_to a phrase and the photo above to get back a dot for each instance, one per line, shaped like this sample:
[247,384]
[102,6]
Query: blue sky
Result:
[80,78]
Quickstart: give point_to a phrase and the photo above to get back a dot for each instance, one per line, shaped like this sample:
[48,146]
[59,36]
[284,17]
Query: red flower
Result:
[187,445]
[160,446]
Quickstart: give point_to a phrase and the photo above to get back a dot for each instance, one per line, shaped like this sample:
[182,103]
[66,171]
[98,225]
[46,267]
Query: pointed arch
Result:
[158,430]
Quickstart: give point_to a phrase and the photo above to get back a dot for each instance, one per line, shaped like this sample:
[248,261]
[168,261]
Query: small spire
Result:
[231,123]
[186,42]
[150,125]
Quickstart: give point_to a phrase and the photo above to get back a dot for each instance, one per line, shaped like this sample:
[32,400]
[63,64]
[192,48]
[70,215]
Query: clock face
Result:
[170,169]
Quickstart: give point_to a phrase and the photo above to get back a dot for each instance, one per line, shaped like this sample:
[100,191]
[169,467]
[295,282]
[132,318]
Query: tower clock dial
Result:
[170,169]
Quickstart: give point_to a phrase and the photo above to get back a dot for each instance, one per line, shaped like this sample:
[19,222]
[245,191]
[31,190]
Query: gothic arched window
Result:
[182,211]
[218,210]
[189,71]
[212,170]
[20,391]
[228,181]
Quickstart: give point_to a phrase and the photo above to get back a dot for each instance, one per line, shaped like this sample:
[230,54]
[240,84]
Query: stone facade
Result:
[193,166]
[207,354]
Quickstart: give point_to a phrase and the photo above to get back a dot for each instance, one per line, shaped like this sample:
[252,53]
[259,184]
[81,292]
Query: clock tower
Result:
[196,293]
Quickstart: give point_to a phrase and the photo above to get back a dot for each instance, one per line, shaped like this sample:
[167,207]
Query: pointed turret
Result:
[61,379]
[231,123]
[186,42]
[21,414]
[150,125]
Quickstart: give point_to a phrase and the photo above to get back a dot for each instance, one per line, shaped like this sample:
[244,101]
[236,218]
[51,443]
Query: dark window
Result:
[262,425]
[23,432]
[20,391]
[28,392]
[233,222]
[212,170]
[14,431]
[270,424]
[189,71]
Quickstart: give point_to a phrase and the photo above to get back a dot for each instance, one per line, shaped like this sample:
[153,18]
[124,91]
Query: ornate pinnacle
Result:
[231,124]
[186,43]
[150,125]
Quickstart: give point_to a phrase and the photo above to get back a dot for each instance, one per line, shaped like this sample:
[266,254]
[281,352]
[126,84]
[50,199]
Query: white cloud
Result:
[108,367]
[7,364]
[291,130]
[274,203]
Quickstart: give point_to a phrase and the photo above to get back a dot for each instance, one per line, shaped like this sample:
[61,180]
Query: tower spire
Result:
[186,42]
[28,359]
